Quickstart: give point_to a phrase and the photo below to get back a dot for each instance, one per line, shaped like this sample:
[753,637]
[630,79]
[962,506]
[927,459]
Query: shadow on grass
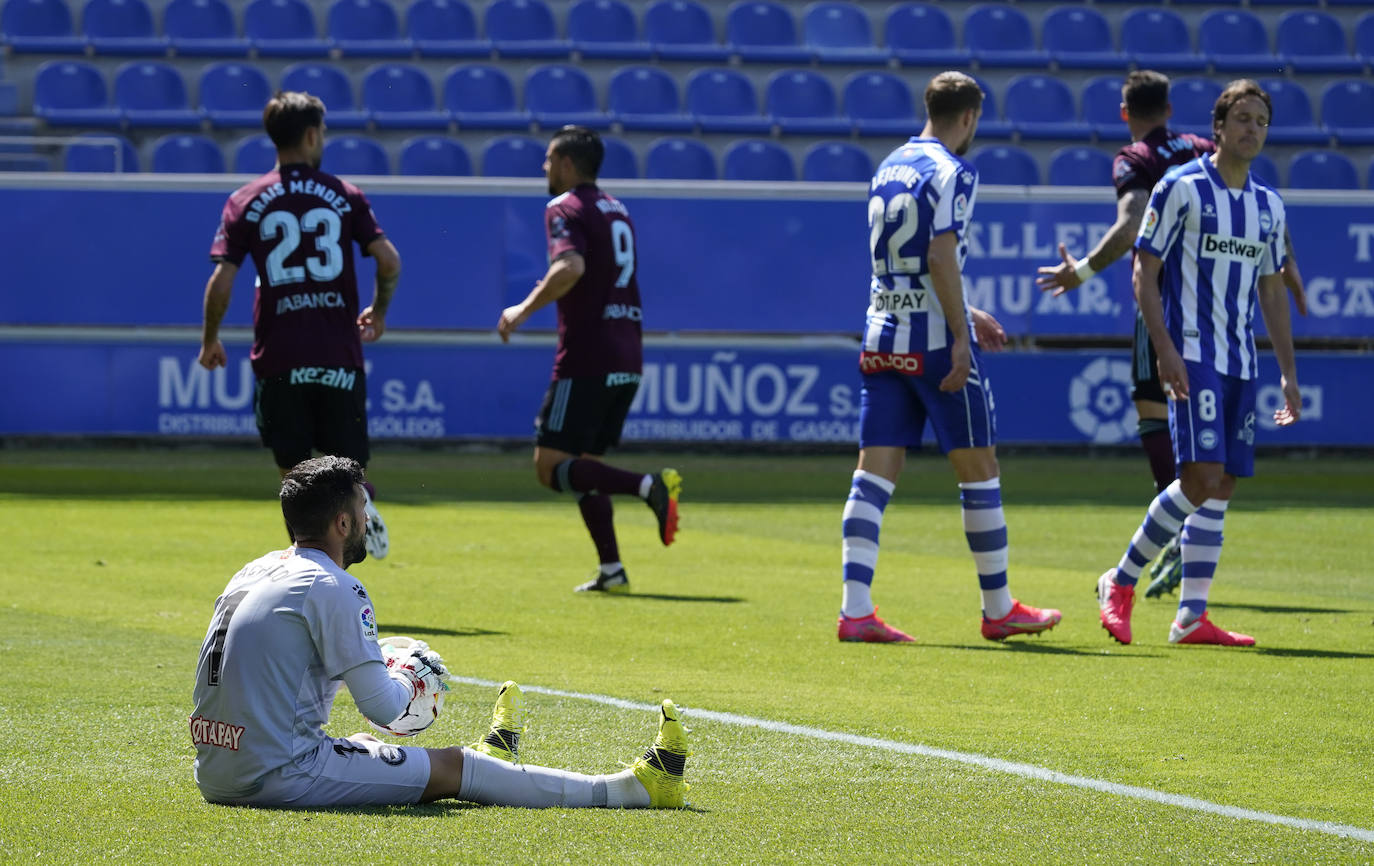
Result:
[1278,608]
[1295,653]
[658,596]
[1042,648]
[438,809]
[446,632]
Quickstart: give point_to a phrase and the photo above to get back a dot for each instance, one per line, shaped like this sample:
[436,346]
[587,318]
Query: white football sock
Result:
[857,601]
[494,782]
[611,567]
[645,485]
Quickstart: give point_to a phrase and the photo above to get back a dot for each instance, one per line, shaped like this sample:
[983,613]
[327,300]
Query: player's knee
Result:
[445,773]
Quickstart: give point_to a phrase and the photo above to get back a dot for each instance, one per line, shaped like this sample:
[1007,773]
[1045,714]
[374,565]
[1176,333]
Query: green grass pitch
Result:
[113,560]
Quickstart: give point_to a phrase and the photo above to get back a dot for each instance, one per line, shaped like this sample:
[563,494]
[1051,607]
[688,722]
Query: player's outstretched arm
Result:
[1273,300]
[372,321]
[562,275]
[943,257]
[217,291]
[1070,274]
[1173,375]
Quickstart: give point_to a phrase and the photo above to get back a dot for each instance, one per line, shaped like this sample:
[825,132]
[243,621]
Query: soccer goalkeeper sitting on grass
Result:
[292,624]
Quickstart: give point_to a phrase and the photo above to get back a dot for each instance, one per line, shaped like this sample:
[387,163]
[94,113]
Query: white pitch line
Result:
[1013,768]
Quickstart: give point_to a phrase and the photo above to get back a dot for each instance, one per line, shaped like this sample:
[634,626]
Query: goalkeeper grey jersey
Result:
[284,631]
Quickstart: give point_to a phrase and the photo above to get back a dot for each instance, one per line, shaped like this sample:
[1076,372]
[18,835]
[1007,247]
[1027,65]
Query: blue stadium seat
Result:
[283,28]
[1263,168]
[1000,35]
[187,154]
[837,162]
[202,28]
[366,28]
[1322,169]
[921,34]
[524,28]
[1364,38]
[1078,37]
[154,94]
[840,32]
[121,27]
[723,100]
[646,97]
[991,125]
[445,28]
[880,103]
[559,94]
[1005,164]
[1102,107]
[1348,111]
[255,155]
[606,28]
[679,159]
[105,152]
[40,27]
[1311,41]
[1192,100]
[1235,41]
[1292,121]
[401,96]
[763,30]
[620,160]
[803,102]
[1371,174]
[434,156]
[482,97]
[234,94]
[1159,39]
[1040,106]
[354,154]
[682,30]
[332,86]
[1080,166]
[513,156]
[73,93]
[758,159]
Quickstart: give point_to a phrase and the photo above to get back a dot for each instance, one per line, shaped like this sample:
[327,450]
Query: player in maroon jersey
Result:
[592,275]
[1154,149]
[299,224]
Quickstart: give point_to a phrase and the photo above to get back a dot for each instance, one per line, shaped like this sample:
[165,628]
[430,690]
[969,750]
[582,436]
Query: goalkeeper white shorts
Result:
[347,773]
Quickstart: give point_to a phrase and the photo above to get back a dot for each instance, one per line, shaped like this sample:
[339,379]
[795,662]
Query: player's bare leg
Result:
[1167,569]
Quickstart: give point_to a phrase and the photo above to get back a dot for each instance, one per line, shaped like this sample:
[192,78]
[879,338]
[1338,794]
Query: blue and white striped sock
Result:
[863,519]
[1201,550]
[1162,521]
[985,527]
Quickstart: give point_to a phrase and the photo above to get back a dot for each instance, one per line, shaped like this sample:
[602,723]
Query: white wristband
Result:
[1083,270]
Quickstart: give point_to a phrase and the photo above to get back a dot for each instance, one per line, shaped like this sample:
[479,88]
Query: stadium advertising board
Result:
[802,391]
[712,257]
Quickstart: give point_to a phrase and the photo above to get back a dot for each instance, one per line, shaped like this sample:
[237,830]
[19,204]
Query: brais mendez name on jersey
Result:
[297,187]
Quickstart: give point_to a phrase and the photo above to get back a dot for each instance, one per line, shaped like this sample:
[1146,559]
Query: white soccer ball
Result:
[424,708]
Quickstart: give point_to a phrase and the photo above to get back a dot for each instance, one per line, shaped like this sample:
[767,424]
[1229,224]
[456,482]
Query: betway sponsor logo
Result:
[899,301]
[879,362]
[1237,249]
[334,378]
[623,311]
[308,301]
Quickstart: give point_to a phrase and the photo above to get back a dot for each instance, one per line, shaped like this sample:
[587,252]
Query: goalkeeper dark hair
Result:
[315,491]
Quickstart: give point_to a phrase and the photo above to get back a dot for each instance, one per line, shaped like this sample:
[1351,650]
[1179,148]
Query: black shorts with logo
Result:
[320,408]
[584,415]
[1145,365]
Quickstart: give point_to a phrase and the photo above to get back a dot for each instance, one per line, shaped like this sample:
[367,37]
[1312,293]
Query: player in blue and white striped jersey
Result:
[1212,241]
[920,362]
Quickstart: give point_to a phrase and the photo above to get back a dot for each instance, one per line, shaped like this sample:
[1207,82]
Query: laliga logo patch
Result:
[960,206]
[1100,404]
[369,623]
[1207,439]
[1122,170]
[1151,219]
